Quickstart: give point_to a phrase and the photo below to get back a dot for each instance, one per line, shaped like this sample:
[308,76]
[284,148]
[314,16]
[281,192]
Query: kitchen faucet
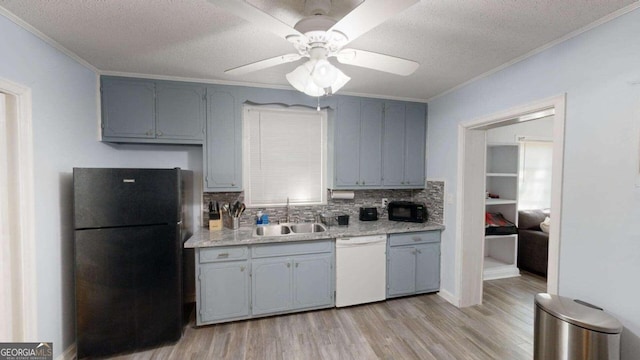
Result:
[287,218]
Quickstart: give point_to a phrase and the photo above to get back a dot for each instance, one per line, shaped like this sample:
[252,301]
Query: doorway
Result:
[17,241]
[471,194]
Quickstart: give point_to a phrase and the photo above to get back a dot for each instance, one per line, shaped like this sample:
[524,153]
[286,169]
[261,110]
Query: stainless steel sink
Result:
[289,229]
[308,228]
[273,230]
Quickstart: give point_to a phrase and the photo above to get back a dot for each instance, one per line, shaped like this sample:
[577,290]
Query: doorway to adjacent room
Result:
[472,192]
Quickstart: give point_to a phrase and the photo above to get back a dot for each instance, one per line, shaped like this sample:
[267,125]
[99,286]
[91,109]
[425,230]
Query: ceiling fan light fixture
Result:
[302,79]
[324,74]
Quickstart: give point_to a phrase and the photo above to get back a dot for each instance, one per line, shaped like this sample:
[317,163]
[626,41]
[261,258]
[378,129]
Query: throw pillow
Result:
[545,225]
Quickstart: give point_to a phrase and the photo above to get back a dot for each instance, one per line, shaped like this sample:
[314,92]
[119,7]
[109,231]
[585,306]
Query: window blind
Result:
[285,156]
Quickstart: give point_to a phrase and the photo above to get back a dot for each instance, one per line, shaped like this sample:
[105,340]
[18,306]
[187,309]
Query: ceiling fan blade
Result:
[257,17]
[263,64]
[376,61]
[369,14]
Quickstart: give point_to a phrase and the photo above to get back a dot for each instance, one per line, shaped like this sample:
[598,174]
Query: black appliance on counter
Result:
[407,211]
[130,226]
[368,214]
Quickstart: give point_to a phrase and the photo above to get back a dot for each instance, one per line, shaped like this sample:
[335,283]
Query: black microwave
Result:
[407,211]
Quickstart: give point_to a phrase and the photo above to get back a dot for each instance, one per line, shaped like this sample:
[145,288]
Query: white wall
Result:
[541,128]
[65,130]
[600,237]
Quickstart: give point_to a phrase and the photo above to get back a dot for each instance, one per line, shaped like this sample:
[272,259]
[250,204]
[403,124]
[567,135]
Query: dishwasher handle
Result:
[360,241]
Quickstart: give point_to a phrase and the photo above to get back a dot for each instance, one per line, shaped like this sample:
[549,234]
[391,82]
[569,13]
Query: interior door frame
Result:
[471,168]
[22,277]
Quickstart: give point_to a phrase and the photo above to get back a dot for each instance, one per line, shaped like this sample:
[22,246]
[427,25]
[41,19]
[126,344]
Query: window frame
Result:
[246,155]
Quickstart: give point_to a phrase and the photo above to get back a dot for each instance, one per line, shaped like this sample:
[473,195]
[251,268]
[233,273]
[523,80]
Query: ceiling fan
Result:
[318,37]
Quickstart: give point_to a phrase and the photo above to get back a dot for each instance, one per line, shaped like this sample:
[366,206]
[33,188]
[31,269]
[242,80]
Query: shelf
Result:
[502,174]
[499,236]
[496,269]
[498,201]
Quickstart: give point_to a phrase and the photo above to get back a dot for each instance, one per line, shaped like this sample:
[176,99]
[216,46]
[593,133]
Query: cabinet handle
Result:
[149,133]
[419,252]
[414,251]
[362,182]
[416,238]
[288,265]
[242,268]
[223,255]
[297,264]
[357,182]
[159,133]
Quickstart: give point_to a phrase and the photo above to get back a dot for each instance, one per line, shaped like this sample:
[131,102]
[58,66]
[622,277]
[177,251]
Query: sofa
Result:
[533,243]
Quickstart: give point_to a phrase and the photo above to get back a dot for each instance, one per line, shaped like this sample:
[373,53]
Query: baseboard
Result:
[454,300]
[69,353]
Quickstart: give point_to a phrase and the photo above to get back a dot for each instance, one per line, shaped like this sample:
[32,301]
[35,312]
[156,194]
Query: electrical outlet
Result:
[385,201]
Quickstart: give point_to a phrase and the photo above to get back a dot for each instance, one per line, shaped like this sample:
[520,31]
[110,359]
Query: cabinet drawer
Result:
[414,238]
[223,253]
[307,247]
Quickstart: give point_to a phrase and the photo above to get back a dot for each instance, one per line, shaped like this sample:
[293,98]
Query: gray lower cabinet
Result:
[239,282]
[222,284]
[233,302]
[152,111]
[413,263]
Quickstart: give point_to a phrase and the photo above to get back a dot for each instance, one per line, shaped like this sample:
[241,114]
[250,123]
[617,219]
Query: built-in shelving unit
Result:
[500,251]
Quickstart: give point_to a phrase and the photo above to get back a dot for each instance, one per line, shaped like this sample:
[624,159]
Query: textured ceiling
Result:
[453,40]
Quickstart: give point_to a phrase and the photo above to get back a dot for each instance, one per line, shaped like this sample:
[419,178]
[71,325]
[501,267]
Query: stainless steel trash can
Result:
[570,329]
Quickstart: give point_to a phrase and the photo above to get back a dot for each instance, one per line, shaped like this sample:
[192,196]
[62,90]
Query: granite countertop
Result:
[246,235]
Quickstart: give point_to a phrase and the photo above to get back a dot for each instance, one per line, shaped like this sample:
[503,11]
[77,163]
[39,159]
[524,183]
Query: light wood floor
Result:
[419,327]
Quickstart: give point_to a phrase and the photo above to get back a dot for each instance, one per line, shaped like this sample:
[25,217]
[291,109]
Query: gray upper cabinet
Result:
[128,108]
[152,111]
[358,143]
[223,162]
[379,144]
[404,141]
[180,111]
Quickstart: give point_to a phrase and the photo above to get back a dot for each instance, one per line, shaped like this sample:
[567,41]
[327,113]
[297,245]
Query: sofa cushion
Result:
[531,219]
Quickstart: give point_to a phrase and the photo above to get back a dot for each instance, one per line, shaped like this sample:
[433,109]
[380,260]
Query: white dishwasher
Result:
[361,265]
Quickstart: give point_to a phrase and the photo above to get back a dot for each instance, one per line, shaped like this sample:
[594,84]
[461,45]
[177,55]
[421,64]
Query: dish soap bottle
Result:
[259,217]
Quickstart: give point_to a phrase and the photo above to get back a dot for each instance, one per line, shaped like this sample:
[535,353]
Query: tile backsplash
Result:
[432,196]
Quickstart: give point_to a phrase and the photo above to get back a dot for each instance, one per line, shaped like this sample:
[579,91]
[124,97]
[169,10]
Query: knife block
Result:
[215,225]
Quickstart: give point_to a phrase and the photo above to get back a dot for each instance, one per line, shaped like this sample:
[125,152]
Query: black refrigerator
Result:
[130,226]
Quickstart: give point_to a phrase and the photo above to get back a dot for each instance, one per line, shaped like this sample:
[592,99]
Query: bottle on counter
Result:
[259,217]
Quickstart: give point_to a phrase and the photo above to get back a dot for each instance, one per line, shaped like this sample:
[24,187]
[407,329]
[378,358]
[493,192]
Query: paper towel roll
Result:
[345,195]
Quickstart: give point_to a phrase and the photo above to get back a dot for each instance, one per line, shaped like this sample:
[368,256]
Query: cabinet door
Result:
[428,267]
[402,270]
[224,291]
[180,111]
[271,285]
[223,142]
[394,144]
[371,143]
[415,137]
[312,281]
[347,143]
[128,108]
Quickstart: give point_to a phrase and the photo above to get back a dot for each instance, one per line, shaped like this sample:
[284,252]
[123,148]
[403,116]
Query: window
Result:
[284,156]
[535,174]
